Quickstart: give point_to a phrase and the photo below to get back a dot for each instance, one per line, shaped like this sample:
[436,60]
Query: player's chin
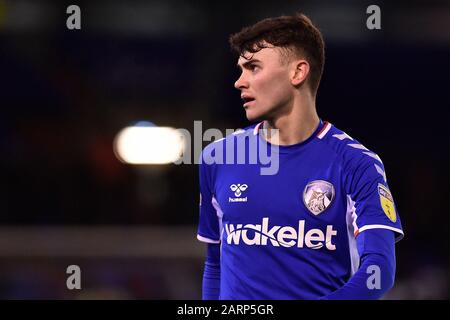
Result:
[253,116]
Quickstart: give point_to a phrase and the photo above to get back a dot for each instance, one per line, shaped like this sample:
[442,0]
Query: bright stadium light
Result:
[148,144]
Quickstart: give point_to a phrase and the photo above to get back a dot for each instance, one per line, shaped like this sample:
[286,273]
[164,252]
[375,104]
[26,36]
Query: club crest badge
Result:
[318,195]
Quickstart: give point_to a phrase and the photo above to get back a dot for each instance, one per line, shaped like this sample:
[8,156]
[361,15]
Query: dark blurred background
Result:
[66,199]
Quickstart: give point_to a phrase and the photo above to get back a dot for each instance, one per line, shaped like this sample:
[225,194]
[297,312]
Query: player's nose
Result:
[241,83]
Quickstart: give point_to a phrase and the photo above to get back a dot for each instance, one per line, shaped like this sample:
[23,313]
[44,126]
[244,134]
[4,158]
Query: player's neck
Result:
[296,124]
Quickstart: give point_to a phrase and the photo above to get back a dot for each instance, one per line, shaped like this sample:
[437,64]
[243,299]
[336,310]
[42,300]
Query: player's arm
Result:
[377,228]
[209,232]
[376,273]
[211,274]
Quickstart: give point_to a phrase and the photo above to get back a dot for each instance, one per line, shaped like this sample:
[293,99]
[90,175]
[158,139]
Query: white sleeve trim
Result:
[207,240]
[382,226]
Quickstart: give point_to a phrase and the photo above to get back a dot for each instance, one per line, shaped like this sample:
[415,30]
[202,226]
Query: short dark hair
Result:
[296,33]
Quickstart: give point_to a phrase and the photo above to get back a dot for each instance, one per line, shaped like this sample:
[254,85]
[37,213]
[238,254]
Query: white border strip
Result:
[325,131]
[207,240]
[219,214]
[351,227]
[382,226]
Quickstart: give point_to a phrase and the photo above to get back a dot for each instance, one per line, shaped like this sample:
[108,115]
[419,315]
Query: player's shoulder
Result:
[351,152]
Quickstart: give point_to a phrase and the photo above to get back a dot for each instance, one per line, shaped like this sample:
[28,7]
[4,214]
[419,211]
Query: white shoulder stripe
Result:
[374,155]
[380,171]
[357,146]
[342,136]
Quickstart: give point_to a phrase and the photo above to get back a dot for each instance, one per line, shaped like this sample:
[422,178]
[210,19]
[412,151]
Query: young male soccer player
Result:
[324,225]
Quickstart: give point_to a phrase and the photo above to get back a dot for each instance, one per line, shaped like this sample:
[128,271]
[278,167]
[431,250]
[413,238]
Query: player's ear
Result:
[300,70]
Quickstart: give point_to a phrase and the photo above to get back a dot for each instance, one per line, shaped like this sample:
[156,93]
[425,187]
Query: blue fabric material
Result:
[211,274]
[292,234]
[376,247]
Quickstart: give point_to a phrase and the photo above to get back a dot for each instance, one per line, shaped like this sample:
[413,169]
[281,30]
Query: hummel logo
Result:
[238,189]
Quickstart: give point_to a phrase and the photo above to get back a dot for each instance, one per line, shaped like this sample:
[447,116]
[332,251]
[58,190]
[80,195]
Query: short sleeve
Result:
[371,200]
[209,222]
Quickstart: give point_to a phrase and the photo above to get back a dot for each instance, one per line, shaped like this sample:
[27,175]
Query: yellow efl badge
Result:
[387,202]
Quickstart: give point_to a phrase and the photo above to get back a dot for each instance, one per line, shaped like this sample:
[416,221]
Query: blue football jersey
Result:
[291,234]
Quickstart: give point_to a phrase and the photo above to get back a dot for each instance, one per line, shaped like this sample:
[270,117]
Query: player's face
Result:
[265,85]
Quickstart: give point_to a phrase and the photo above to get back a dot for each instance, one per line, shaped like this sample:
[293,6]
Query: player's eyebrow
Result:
[247,63]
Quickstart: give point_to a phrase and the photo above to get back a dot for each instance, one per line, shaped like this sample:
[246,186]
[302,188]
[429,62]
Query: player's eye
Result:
[253,67]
